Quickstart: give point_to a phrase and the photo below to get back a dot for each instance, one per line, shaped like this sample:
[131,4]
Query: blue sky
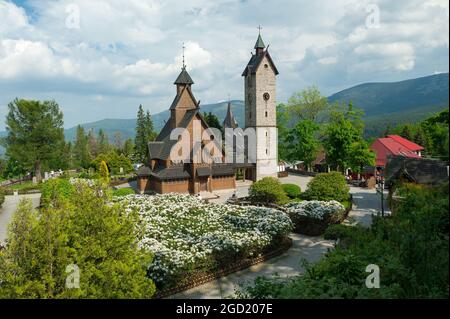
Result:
[102,58]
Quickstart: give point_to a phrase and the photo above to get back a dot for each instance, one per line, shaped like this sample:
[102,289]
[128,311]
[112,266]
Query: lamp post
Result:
[380,190]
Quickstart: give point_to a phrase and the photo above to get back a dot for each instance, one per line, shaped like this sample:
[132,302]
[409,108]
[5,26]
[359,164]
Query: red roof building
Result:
[394,145]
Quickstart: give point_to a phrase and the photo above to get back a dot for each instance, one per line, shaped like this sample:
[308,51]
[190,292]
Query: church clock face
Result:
[266,96]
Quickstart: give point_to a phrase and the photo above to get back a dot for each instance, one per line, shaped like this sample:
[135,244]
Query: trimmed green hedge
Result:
[328,186]
[123,192]
[268,190]
[292,191]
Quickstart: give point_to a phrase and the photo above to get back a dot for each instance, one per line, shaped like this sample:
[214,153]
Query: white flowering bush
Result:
[83,181]
[189,236]
[313,217]
[315,209]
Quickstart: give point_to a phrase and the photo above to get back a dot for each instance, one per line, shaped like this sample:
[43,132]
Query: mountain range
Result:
[384,103]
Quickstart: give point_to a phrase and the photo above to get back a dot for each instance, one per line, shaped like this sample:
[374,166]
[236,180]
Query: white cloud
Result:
[132,52]
[12,18]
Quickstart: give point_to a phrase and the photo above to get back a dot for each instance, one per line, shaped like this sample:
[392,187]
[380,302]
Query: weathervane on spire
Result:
[184,65]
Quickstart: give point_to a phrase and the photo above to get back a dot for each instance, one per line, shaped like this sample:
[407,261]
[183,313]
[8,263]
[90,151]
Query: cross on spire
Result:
[184,65]
[259,29]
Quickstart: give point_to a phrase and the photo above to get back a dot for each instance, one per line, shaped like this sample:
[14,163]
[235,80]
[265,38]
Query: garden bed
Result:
[193,239]
[312,218]
[201,279]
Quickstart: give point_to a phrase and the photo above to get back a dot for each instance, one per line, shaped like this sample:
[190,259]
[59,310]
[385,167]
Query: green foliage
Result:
[35,133]
[123,192]
[80,150]
[84,230]
[301,142]
[432,134]
[114,162]
[328,186]
[344,139]
[268,190]
[307,104]
[410,248]
[212,120]
[56,191]
[144,134]
[104,172]
[13,169]
[292,191]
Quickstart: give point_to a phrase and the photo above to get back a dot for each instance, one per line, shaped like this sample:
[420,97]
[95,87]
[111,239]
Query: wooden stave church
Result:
[161,175]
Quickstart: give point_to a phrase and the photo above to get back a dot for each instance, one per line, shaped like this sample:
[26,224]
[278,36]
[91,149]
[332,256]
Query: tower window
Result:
[266,65]
[267,151]
[267,114]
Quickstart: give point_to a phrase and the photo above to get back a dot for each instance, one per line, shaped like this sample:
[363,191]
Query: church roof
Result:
[184,78]
[259,43]
[256,60]
[162,147]
[230,120]
[178,97]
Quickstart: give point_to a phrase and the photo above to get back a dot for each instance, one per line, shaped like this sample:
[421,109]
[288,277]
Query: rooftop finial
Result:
[259,29]
[184,65]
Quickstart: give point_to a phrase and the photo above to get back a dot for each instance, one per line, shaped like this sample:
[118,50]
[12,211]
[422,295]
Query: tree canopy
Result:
[35,133]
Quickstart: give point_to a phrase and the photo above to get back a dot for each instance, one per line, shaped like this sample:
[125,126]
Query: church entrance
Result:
[203,185]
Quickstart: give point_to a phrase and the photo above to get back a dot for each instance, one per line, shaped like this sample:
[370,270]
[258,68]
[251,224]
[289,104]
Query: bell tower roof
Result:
[184,78]
[259,43]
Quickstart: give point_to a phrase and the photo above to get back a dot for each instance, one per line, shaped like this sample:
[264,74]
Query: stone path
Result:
[8,209]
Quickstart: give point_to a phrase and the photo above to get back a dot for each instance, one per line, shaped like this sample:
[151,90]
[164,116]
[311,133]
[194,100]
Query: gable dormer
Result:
[184,100]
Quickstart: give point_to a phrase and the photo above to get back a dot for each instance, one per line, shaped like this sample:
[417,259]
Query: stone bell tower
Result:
[260,109]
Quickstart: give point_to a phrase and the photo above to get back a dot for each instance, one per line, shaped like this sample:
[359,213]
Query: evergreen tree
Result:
[139,140]
[82,231]
[150,132]
[104,172]
[35,133]
[80,149]
[103,142]
[407,132]
[144,134]
[128,148]
[212,120]
[92,145]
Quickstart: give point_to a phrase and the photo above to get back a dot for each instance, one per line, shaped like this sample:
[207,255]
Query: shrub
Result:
[56,190]
[114,162]
[313,217]
[410,248]
[292,191]
[268,190]
[104,172]
[123,192]
[328,186]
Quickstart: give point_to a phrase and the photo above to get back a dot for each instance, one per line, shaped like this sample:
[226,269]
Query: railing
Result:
[12,182]
[300,172]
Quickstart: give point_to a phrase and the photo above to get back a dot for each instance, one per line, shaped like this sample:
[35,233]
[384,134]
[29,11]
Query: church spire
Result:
[259,46]
[230,120]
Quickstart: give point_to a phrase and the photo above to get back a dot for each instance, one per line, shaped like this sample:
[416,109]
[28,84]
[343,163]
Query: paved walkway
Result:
[288,264]
[8,209]
[366,203]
